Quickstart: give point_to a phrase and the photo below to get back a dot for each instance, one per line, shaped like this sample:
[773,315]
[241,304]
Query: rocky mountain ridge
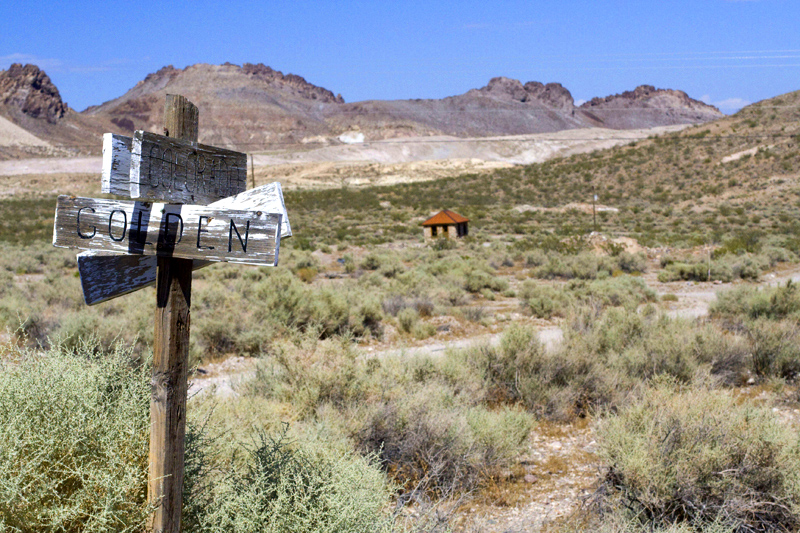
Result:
[27,91]
[502,88]
[254,107]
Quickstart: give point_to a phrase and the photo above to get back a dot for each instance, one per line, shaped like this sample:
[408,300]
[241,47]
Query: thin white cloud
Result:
[732,104]
[728,105]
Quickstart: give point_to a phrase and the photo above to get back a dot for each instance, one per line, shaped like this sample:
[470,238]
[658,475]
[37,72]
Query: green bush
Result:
[585,265]
[372,261]
[772,303]
[477,280]
[545,301]
[632,263]
[775,348]
[74,432]
[423,330]
[282,487]
[407,318]
[700,458]
[431,444]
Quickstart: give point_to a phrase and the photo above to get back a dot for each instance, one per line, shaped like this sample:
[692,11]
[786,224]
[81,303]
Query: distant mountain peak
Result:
[649,96]
[309,90]
[28,91]
[502,88]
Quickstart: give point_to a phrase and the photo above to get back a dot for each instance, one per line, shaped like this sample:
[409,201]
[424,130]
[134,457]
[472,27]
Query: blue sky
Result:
[727,52]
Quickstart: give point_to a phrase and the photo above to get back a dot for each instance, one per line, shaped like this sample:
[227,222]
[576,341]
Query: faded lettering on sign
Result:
[193,232]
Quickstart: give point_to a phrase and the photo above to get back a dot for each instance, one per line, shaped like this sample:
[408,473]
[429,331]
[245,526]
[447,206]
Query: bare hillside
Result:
[254,107]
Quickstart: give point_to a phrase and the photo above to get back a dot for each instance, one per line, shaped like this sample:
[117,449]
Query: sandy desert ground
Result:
[363,164]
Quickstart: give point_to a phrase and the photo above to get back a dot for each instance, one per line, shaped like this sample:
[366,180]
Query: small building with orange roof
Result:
[445,223]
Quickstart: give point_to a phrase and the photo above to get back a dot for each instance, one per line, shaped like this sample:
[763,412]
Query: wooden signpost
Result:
[164,242]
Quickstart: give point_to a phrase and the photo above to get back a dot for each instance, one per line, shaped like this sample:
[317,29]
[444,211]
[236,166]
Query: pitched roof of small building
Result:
[445,217]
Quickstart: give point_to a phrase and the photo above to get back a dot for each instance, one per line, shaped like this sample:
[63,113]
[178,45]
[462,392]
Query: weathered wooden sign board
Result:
[104,276]
[116,175]
[184,231]
[240,229]
[149,166]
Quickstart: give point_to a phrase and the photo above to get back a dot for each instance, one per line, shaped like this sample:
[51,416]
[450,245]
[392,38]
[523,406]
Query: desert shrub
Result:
[725,268]
[423,330]
[391,267]
[749,302]
[535,258]
[509,369]
[749,266]
[775,348]
[407,319]
[520,371]
[307,274]
[312,372]
[607,353]
[699,457]
[631,263]
[372,261]
[286,302]
[443,243]
[545,301]
[396,303]
[473,313]
[621,291]
[744,241]
[477,280]
[500,431]
[778,254]
[585,265]
[695,271]
[73,441]
[429,445]
[285,487]
[349,263]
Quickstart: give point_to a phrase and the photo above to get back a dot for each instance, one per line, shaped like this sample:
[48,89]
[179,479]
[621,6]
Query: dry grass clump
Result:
[699,459]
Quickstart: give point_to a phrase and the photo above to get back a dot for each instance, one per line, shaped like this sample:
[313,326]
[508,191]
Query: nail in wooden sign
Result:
[154,167]
[185,231]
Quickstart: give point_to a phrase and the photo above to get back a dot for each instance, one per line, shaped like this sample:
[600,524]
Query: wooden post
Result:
[170,359]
